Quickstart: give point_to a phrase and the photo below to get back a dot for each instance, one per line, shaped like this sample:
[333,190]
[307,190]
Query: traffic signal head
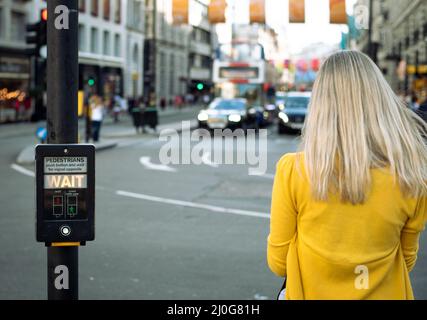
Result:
[91,82]
[43,15]
[200,86]
[37,34]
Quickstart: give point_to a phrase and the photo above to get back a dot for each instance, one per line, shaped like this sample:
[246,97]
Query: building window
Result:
[106,41]
[117,45]
[94,40]
[95,8]
[2,27]
[107,10]
[172,76]
[82,38]
[118,12]
[82,5]
[17,28]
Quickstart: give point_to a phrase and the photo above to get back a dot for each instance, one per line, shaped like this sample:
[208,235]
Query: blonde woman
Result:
[347,211]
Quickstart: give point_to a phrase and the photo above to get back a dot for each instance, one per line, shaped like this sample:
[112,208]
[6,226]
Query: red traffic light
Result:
[43,15]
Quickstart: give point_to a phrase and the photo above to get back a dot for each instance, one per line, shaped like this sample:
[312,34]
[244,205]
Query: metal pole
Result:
[370,44]
[62,126]
[154,61]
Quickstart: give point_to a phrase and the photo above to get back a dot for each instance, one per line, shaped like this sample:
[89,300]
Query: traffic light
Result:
[200,86]
[37,34]
[91,82]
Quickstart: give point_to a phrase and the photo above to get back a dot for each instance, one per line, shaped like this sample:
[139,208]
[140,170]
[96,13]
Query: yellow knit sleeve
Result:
[283,217]
[410,235]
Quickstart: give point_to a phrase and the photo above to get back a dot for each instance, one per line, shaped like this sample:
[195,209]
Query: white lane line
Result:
[206,159]
[262,175]
[267,176]
[193,204]
[146,162]
[22,170]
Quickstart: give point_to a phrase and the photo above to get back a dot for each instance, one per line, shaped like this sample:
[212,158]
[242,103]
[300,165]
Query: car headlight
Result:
[265,114]
[252,111]
[234,117]
[284,117]
[203,116]
[281,106]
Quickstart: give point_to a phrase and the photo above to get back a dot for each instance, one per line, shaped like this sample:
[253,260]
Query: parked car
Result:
[293,113]
[226,113]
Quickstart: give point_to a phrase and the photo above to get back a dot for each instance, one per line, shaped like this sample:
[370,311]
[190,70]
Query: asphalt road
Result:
[175,232]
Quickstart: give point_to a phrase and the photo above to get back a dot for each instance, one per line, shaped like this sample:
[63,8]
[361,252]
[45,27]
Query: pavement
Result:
[110,133]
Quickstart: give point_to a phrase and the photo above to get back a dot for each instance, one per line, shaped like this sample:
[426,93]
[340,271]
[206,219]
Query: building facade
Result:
[166,53]
[399,37]
[111,46]
[202,40]
[178,57]
[15,67]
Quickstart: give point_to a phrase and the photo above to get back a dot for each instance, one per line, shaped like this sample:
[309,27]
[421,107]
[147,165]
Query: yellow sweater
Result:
[332,250]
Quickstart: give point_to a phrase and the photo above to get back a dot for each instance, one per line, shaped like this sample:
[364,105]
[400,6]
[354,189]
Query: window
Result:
[94,40]
[2,27]
[106,41]
[82,5]
[95,8]
[117,45]
[172,75]
[107,10]
[82,38]
[118,12]
[17,29]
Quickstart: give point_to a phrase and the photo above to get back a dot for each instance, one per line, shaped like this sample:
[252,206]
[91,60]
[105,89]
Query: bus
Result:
[240,70]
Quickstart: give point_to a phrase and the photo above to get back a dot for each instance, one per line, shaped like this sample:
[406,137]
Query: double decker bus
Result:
[240,71]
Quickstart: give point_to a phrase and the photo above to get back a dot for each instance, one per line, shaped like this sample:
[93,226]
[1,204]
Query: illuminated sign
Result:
[239,72]
[65,181]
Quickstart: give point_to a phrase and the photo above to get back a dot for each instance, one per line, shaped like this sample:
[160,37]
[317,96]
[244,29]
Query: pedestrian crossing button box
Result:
[65,193]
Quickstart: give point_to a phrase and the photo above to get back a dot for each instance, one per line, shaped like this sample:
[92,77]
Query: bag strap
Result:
[283,287]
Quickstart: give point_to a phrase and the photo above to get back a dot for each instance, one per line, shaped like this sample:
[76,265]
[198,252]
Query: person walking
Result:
[347,209]
[97,115]
[136,112]
[150,115]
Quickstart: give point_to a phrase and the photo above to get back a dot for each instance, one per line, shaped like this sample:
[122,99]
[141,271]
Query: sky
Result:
[316,29]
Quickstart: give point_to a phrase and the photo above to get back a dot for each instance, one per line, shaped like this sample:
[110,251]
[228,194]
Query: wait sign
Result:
[77,181]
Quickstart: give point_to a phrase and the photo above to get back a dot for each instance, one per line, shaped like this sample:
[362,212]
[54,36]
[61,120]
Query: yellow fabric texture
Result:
[334,250]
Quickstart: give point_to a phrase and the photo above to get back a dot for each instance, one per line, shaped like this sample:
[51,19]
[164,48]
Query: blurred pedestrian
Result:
[97,116]
[422,109]
[163,103]
[136,113]
[150,115]
[347,211]
[414,103]
[118,107]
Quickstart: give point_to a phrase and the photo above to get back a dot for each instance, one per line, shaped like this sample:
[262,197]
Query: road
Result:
[162,232]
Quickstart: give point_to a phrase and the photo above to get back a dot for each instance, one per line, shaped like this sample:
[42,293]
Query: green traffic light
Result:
[200,86]
[91,82]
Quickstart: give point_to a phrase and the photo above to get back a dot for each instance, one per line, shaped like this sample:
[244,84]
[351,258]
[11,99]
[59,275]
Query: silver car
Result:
[224,113]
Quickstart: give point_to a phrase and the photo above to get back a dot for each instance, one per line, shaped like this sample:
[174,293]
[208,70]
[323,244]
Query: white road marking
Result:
[193,204]
[206,159]
[263,175]
[22,170]
[258,296]
[267,176]
[146,162]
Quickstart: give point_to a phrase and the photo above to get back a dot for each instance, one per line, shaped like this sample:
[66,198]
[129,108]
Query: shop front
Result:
[15,103]
[106,82]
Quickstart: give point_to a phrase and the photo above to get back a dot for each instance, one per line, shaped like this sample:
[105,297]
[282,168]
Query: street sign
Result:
[65,179]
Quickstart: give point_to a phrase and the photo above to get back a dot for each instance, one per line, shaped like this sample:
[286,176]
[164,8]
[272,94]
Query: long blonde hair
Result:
[356,123]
